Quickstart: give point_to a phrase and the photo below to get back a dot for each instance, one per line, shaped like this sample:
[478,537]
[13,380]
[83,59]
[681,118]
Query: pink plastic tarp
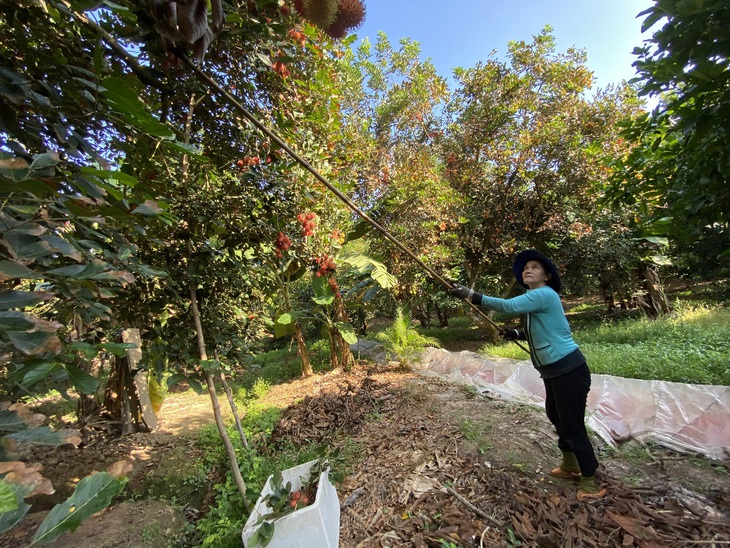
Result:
[683,417]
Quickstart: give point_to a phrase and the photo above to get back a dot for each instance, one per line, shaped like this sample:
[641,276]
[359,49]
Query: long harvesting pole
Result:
[349,203]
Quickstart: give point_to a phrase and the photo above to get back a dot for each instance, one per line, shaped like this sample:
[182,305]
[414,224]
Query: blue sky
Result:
[459,33]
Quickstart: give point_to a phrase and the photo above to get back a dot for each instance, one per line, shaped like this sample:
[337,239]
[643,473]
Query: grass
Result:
[282,365]
[459,329]
[690,345]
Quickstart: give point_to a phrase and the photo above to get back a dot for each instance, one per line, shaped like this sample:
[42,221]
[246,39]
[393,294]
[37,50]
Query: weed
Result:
[512,540]
[632,480]
[469,390]
[475,434]
[469,430]
[150,531]
[402,341]
[260,388]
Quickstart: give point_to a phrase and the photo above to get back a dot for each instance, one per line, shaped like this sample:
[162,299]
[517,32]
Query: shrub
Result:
[402,341]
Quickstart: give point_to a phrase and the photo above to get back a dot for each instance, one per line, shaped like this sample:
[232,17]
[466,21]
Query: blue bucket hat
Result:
[533,255]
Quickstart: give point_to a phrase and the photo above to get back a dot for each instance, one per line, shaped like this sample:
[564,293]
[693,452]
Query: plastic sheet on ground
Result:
[683,417]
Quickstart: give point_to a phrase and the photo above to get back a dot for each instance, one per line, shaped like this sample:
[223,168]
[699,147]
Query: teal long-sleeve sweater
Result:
[552,349]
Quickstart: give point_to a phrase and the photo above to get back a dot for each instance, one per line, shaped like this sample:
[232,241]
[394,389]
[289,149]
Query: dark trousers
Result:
[565,404]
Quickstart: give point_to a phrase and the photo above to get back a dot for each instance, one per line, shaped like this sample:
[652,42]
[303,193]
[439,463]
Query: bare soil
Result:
[437,464]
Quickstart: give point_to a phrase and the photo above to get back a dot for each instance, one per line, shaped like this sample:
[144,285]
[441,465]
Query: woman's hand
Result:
[461,292]
[510,334]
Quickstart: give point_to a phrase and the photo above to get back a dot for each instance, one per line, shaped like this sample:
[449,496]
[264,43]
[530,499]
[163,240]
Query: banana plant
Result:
[329,307]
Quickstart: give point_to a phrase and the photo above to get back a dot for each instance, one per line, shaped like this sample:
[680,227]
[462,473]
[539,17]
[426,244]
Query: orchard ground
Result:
[427,452]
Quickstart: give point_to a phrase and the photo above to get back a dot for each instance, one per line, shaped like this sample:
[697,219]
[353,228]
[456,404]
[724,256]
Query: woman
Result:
[557,358]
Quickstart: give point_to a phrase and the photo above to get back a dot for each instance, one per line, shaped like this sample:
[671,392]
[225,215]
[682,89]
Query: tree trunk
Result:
[234,408]
[607,293]
[442,315]
[232,459]
[341,347]
[302,351]
[230,451]
[653,301]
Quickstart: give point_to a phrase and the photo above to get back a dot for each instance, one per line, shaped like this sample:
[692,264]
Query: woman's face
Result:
[534,275]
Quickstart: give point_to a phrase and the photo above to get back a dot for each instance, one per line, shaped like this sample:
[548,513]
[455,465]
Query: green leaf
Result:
[119,176]
[8,498]
[88,350]
[322,291]
[377,270]
[39,372]
[42,161]
[11,518]
[42,435]
[324,300]
[290,317]
[347,332]
[92,494]
[195,385]
[285,319]
[654,16]
[266,533]
[82,381]
[22,299]
[158,129]
[10,270]
[283,329]
[121,95]
[661,260]
[118,349]
[210,365]
[265,59]
[35,343]
[174,379]
[149,208]
[189,149]
[10,421]
[63,246]
[360,230]
[16,321]
[657,240]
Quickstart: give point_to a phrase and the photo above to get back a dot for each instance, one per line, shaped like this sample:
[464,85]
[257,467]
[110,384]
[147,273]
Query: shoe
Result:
[562,474]
[582,496]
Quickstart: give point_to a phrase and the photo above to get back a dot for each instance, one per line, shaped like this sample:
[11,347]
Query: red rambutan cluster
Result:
[298,36]
[282,244]
[281,70]
[248,161]
[307,222]
[325,265]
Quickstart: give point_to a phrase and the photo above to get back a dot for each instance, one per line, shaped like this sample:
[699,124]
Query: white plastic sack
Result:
[684,417]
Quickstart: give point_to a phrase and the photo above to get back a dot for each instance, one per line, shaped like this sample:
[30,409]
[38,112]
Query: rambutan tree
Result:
[528,151]
[121,170]
[393,104]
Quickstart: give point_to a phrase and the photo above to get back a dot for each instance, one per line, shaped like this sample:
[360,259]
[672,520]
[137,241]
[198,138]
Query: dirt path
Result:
[129,523]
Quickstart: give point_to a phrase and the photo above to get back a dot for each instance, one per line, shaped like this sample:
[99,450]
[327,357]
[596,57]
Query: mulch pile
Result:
[416,486]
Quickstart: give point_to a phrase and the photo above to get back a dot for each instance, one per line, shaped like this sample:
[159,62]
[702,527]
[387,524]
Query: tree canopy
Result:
[678,170]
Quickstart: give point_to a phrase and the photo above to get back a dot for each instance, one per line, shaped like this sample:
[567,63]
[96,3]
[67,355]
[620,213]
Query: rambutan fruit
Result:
[350,15]
[299,7]
[321,12]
